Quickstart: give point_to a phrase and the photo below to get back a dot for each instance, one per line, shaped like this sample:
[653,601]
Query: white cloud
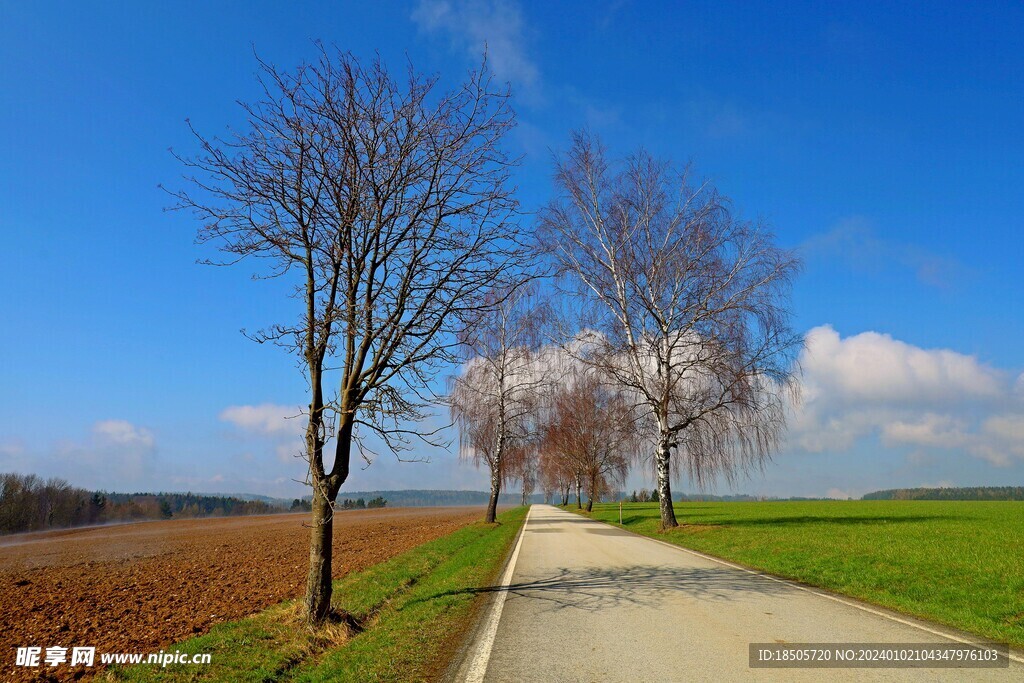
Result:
[937,431]
[813,429]
[930,400]
[470,26]
[875,367]
[1009,427]
[266,419]
[122,433]
[283,425]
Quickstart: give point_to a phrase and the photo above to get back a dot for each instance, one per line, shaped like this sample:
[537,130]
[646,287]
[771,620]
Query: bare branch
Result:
[687,309]
[387,204]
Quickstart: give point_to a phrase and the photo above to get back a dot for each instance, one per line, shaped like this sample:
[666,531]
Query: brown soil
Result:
[137,587]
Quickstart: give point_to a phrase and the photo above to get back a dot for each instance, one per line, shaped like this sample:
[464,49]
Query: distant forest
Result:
[306,505]
[961,493]
[30,503]
[439,498]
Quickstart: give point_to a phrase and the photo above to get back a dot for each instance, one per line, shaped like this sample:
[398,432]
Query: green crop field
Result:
[956,563]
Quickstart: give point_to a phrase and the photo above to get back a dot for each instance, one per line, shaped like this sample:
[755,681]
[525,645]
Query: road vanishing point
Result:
[585,601]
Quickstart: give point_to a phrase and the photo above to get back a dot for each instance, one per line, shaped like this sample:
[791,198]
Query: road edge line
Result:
[813,591]
[481,658]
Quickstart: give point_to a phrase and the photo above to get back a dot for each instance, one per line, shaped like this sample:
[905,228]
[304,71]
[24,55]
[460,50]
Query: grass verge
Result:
[956,563]
[404,619]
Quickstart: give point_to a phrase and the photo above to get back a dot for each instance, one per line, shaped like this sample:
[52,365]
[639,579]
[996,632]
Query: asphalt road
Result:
[584,601]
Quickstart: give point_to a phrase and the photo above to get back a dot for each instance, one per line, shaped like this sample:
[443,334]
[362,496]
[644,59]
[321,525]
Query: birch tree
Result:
[493,400]
[688,309]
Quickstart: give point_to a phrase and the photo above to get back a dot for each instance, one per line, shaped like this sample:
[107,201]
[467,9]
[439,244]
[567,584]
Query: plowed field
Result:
[138,587]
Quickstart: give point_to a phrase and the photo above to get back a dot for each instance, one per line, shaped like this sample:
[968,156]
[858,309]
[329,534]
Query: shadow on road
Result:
[575,519]
[596,588]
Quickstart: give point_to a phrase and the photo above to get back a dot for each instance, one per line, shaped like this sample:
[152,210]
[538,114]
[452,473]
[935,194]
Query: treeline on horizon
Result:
[31,503]
[438,497]
[965,493]
[732,498]
[951,493]
[306,505]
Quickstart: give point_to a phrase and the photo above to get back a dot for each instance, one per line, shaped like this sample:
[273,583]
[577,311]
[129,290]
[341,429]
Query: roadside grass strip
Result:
[401,620]
[958,563]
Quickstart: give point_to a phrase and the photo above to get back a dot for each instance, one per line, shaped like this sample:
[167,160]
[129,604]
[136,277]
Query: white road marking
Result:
[863,608]
[478,667]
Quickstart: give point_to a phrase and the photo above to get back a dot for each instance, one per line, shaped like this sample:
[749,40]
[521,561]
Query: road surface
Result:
[585,601]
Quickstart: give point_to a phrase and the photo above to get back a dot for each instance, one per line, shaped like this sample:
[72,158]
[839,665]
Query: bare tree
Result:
[555,470]
[522,465]
[548,484]
[688,309]
[387,204]
[493,400]
[590,430]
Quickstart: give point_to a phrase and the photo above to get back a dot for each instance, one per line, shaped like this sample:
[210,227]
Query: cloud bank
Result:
[871,385]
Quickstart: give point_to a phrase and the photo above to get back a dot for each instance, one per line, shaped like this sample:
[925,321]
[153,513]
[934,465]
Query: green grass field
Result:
[956,563]
[407,617]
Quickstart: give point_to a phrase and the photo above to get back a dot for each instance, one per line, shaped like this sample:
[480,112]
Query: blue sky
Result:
[883,141]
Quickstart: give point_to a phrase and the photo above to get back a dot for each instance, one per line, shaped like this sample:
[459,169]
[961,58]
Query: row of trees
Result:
[302,505]
[132,506]
[30,503]
[588,440]
[531,420]
[950,493]
[363,504]
[389,205]
[644,496]
[676,337]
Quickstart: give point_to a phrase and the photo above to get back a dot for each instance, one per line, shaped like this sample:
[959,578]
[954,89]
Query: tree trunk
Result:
[492,504]
[590,503]
[321,538]
[321,532]
[524,496]
[668,513]
[318,583]
[565,496]
[579,496]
